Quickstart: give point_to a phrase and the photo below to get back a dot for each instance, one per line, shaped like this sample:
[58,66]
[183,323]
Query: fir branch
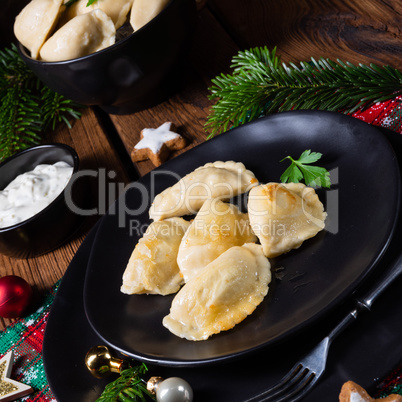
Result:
[129,386]
[28,107]
[19,112]
[56,108]
[261,85]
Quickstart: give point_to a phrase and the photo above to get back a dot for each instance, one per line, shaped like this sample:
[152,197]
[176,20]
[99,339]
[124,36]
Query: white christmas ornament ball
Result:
[174,389]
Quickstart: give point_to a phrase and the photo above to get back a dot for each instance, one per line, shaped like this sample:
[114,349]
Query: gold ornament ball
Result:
[101,363]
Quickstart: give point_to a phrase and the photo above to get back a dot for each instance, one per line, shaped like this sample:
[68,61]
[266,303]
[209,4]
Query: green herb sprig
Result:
[71,2]
[128,387]
[260,85]
[301,168]
[28,107]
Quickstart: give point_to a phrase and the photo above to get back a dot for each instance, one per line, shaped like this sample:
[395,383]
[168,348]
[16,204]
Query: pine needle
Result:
[129,386]
[260,85]
[28,107]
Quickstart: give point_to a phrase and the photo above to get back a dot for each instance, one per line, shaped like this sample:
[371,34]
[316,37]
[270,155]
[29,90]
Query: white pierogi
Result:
[117,10]
[144,11]
[217,227]
[152,267]
[284,215]
[35,22]
[222,295]
[214,180]
[83,35]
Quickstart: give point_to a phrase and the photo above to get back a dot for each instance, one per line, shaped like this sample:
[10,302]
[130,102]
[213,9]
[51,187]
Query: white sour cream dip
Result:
[32,191]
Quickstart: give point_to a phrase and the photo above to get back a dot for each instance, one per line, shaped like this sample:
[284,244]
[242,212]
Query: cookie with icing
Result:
[157,143]
[352,392]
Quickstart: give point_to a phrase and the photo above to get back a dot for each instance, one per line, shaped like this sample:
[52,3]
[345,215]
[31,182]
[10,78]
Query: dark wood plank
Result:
[210,55]
[356,31]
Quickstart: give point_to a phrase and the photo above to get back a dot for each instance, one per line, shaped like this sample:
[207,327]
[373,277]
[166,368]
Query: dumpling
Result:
[83,35]
[284,215]
[144,11]
[35,22]
[216,228]
[117,10]
[152,267]
[213,180]
[222,295]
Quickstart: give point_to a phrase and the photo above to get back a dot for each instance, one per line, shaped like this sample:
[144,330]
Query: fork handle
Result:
[370,295]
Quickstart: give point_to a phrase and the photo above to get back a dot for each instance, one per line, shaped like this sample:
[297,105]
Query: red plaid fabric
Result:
[25,338]
[384,114]
[391,385]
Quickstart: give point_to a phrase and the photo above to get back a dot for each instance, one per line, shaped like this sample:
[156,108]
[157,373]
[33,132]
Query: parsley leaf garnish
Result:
[71,2]
[299,169]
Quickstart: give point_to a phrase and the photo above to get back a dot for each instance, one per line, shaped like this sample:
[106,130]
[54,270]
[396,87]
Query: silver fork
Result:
[305,374]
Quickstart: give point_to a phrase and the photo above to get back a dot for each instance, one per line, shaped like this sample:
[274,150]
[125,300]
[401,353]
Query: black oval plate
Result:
[362,207]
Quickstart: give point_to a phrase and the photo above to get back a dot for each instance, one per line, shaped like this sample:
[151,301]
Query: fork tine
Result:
[301,377]
[306,382]
[290,385]
[286,383]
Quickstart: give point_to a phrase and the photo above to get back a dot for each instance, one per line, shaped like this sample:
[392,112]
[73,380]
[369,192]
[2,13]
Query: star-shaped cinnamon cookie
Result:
[10,389]
[157,143]
[353,392]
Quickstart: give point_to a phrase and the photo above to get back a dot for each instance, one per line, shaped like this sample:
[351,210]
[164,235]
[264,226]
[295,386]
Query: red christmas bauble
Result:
[15,296]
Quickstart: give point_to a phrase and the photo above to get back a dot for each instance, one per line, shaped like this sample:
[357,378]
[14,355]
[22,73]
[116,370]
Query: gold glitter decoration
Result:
[10,389]
[5,387]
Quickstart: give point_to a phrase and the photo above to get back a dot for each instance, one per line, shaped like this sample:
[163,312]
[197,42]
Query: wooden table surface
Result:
[357,31]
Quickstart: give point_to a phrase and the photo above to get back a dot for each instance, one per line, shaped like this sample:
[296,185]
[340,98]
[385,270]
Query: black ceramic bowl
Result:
[53,225]
[133,74]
